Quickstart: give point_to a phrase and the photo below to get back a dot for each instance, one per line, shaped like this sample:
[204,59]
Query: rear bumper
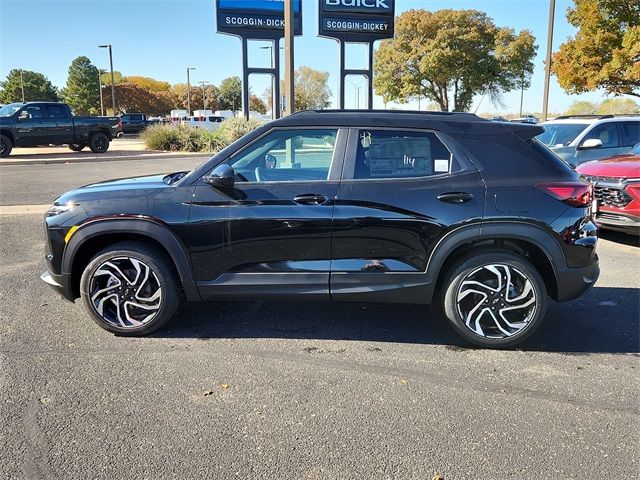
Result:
[573,282]
[621,222]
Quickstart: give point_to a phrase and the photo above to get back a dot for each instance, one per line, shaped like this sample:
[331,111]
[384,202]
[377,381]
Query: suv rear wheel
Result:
[494,299]
[130,289]
[6,145]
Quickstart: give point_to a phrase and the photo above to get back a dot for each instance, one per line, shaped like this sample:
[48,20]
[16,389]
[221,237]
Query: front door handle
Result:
[455,197]
[310,199]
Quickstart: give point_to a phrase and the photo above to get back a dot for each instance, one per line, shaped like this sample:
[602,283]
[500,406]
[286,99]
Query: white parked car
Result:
[582,138]
[209,122]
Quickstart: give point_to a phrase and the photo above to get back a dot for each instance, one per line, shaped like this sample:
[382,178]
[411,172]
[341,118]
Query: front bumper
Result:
[59,283]
[573,282]
[621,222]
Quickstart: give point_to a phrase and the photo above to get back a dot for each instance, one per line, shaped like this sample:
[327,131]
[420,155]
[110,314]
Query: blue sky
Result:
[160,38]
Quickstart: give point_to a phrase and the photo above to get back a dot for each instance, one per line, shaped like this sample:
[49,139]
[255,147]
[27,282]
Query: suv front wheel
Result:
[130,289]
[494,299]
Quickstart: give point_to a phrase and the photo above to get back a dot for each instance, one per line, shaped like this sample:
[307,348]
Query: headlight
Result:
[58,209]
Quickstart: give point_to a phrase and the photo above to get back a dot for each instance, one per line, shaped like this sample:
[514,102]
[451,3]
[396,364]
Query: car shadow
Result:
[606,320]
[619,237]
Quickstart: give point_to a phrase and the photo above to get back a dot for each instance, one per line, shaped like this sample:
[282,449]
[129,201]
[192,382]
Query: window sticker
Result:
[440,165]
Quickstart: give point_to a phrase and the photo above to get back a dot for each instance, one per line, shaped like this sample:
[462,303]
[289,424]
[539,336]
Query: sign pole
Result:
[245,80]
[370,86]
[288,58]
[547,67]
[342,75]
[276,79]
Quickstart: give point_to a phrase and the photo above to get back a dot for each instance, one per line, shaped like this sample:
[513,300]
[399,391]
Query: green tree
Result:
[605,52]
[105,77]
[256,104]
[310,89]
[582,107]
[82,91]
[230,97]
[37,87]
[449,56]
[618,105]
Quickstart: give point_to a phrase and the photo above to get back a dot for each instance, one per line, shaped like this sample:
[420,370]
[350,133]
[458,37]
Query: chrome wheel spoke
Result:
[496,301]
[125,292]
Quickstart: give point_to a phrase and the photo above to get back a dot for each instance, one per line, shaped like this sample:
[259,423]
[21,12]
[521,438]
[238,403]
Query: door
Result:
[59,125]
[402,190]
[270,234]
[31,126]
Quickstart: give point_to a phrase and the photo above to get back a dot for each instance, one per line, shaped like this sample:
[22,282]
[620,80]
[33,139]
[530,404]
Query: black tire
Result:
[6,145]
[459,302]
[98,143]
[77,147]
[117,312]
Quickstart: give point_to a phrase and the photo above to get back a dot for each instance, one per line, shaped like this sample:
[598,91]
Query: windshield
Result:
[560,134]
[10,109]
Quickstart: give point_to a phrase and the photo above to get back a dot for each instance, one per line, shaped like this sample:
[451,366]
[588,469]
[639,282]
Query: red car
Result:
[616,182]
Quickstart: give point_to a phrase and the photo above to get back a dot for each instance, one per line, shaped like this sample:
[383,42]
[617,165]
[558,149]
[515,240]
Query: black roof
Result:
[447,122]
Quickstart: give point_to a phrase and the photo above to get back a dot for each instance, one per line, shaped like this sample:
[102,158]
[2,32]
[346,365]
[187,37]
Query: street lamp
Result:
[189,89]
[357,90]
[113,82]
[100,72]
[22,85]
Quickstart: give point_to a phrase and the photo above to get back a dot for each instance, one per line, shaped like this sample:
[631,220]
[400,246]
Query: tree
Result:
[230,97]
[310,89]
[82,91]
[150,84]
[618,105]
[37,87]
[105,77]
[257,105]
[132,98]
[449,56]
[582,107]
[605,52]
[179,93]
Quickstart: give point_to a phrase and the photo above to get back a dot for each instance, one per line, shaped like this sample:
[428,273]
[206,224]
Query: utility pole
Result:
[189,90]
[113,81]
[204,95]
[547,68]
[521,92]
[22,85]
[288,57]
[100,72]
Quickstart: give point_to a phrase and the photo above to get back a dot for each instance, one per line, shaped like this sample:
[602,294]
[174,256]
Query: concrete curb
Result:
[119,158]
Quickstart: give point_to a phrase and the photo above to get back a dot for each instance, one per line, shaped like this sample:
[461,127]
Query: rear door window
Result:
[629,133]
[56,111]
[400,154]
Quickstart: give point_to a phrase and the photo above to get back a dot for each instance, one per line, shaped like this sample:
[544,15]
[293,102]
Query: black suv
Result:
[445,208]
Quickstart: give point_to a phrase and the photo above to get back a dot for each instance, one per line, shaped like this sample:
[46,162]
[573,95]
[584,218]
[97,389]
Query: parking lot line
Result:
[23,209]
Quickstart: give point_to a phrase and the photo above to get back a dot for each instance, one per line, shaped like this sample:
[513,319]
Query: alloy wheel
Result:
[496,301]
[125,292]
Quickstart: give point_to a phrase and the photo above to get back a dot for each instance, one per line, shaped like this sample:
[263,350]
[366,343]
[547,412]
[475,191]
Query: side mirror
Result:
[222,176]
[591,143]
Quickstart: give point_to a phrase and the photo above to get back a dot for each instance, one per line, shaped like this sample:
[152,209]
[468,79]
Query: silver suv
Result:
[582,138]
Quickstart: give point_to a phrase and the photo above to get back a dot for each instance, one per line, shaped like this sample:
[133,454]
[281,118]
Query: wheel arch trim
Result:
[144,227]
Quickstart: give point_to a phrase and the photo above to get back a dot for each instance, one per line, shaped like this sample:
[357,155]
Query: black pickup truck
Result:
[51,123]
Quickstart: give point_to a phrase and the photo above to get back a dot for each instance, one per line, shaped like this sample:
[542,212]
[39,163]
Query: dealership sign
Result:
[356,20]
[256,19]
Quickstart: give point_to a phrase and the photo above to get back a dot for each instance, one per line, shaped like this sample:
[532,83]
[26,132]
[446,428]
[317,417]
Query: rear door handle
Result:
[310,199]
[455,197]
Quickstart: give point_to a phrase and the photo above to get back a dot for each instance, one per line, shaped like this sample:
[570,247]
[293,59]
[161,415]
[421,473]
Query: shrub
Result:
[183,138]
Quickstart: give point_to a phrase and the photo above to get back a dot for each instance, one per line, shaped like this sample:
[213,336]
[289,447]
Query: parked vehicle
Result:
[134,122]
[582,138]
[364,206]
[616,183]
[210,122]
[51,123]
[177,116]
[526,119]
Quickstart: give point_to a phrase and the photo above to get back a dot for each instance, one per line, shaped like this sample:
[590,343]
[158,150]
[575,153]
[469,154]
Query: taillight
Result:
[576,194]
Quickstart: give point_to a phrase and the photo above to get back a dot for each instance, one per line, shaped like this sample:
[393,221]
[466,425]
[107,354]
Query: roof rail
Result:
[615,115]
[365,111]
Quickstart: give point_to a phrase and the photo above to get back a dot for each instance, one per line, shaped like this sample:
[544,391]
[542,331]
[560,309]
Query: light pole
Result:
[22,85]
[547,67]
[204,95]
[113,82]
[100,72]
[357,90]
[289,58]
[189,89]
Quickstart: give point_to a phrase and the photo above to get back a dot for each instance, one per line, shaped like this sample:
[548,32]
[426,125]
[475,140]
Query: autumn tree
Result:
[132,98]
[211,93]
[582,107]
[37,87]
[230,96]
[82,91]
[449,56]
[605,52]
[256,104]
[150,84]
[311,89]
[105,77]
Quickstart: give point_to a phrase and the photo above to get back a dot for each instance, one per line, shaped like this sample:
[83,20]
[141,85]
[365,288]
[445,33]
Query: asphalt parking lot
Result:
[303,390]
